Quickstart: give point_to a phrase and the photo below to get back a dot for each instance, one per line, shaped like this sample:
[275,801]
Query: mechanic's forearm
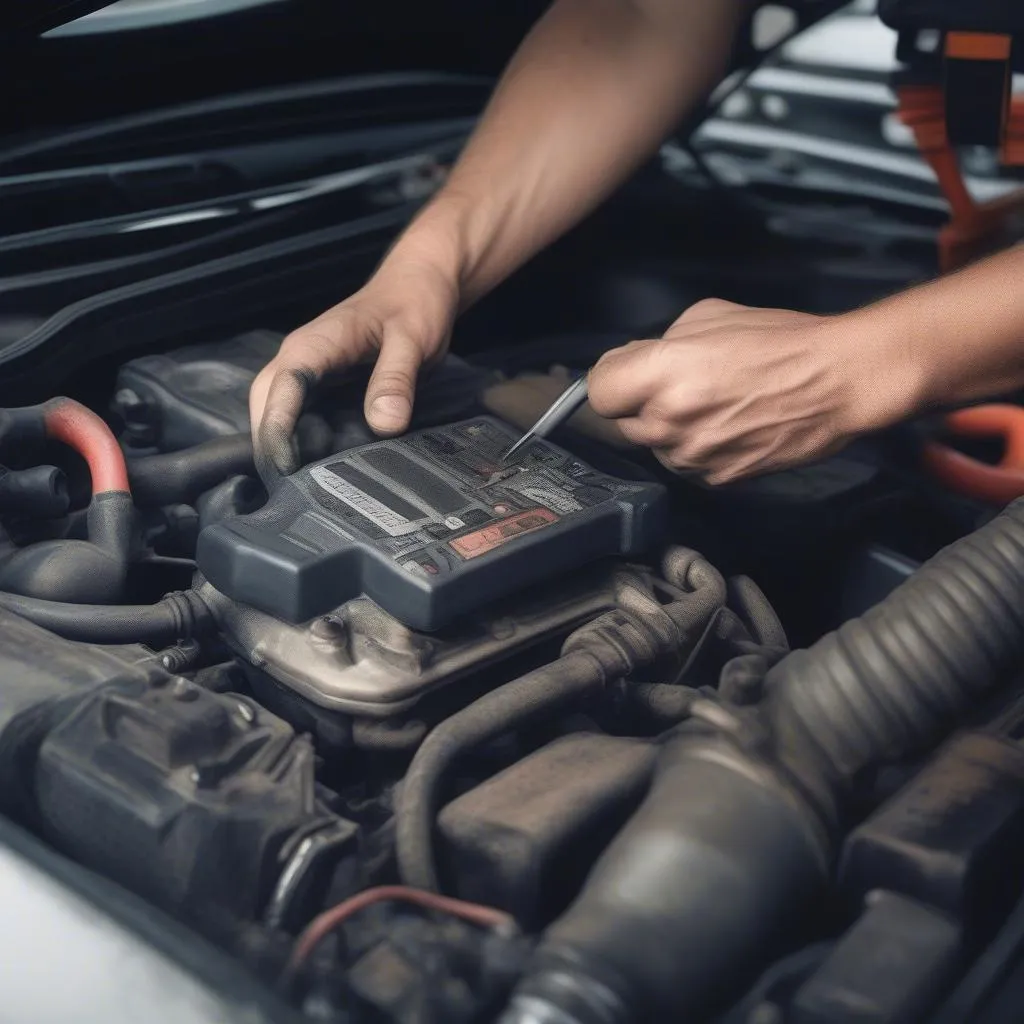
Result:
[592,92]
[957,339]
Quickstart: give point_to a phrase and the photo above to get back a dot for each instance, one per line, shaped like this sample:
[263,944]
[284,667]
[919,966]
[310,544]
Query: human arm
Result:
[731,391]
[591,93]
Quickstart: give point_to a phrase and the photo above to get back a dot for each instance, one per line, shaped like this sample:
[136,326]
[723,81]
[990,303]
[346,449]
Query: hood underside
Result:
[33,17]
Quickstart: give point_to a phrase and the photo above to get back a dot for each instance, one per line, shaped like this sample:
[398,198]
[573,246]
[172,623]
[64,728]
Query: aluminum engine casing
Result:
[361,661]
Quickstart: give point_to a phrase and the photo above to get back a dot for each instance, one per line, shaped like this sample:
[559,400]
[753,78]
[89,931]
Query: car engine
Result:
[415,736]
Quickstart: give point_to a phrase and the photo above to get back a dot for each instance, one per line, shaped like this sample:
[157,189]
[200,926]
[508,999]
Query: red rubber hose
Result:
[79,428]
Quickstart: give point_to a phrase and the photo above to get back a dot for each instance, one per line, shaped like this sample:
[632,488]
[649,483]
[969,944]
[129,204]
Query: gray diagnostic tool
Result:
[429,526]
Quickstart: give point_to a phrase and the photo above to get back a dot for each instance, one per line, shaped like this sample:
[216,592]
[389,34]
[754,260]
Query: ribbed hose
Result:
[178,616]
[887,684]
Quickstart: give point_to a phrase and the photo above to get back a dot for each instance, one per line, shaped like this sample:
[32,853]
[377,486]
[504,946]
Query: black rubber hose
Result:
[40,492]
[679,909]
[747,598]
[178,616]
[666,704]
[499,711]
[887,684]
[89,571]
[174,478]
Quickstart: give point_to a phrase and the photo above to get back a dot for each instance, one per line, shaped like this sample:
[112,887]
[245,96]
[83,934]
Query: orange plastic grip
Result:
[998,484]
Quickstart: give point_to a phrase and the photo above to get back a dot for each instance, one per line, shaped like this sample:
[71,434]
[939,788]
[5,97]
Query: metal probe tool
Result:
[561,409]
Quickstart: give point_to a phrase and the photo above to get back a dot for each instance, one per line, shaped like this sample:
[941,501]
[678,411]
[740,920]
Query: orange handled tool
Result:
[998,483]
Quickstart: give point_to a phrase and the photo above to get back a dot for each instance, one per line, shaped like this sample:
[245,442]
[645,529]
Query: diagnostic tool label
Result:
[553,497]
[472,545]
[387,519]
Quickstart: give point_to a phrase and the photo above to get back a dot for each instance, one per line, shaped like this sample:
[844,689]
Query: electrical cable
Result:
[714,106]
[322,926]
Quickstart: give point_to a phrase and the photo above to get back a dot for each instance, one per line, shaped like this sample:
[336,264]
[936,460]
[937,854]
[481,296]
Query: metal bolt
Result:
[184,690]
[327,628]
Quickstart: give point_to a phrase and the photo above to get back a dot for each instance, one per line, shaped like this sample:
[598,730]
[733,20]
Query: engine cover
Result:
[430,526]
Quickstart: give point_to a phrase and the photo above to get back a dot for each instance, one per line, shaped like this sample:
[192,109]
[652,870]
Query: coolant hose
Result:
[91,571]
[82,430]
[174,478]
[733,839]
[180,477]
[178,616]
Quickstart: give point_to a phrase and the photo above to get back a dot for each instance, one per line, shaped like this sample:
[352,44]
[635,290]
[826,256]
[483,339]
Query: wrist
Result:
[887,366]
[439,237]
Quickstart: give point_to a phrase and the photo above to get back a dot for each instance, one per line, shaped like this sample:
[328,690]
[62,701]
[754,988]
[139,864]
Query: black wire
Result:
[712,109]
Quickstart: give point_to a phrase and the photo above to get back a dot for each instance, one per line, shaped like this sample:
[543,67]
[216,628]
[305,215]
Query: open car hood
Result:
[32,17]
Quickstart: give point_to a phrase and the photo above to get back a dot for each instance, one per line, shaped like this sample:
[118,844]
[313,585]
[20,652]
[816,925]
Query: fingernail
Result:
[390,412]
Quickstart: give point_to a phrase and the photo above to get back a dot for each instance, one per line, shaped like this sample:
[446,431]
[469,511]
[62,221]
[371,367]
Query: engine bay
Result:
[415,736]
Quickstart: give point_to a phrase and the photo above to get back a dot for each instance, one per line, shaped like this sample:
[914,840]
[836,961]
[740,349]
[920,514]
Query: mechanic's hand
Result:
[402,318]
[731,391]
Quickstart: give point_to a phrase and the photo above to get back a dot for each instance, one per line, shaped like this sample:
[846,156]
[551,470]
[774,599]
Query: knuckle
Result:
[674,460]
[659,415]
[709,305]
[708,308]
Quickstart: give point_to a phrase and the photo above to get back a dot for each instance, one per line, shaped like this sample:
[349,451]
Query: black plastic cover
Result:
[429,526]
[525,839]
[952,837]
[202,802]
[193,394]
[891,967]
[42,678]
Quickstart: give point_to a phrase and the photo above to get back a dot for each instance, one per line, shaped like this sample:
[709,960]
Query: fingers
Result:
[646,431]
[274,439]
[279,393]
[389,395]
[623,380]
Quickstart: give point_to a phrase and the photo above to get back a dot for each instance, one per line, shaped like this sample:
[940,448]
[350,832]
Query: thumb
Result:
[389,394]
